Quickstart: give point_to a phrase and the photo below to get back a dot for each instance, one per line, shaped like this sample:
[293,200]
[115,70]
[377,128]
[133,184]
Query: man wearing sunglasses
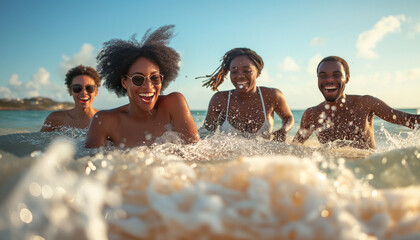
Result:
[82,83]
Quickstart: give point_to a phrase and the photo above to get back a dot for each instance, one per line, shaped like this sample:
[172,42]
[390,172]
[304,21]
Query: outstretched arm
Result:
[282,109]
[306,129]
[97,133]
[382,110]
[182,119]
[212,120]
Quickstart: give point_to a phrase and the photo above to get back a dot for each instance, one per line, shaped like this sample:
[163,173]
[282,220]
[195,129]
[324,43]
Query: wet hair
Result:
[335,59]
[82,70]
[118,55]
[218,76]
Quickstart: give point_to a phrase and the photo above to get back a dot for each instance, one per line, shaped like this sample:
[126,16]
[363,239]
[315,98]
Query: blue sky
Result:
[41,40]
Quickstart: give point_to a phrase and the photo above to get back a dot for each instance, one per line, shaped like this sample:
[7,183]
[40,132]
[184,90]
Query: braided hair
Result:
[218,76]
[116,57]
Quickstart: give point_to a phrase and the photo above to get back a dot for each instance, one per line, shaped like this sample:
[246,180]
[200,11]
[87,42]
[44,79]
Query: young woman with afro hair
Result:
[141,70]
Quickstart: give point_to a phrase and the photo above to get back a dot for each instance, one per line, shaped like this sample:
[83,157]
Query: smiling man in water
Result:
[346,120]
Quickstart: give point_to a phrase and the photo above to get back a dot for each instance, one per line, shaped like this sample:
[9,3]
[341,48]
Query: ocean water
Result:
[223,187]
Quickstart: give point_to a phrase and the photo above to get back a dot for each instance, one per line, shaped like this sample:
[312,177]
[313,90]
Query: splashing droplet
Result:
[35,189]
[25,215]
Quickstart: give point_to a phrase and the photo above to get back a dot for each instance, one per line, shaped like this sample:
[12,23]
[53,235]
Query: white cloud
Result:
[40,78]
[14,82]
[363,83]
[318,41]
[407,75]
[5,92]
[398,89]
[417,27]
[313,64]
[366,42]
[264,78]
[85,56]
[289,65]
[40,85]
[31,94]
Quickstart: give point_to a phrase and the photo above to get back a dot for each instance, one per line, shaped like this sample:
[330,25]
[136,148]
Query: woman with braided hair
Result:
[247,110]
[141,71]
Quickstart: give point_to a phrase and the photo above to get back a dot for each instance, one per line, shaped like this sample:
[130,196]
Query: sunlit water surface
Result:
[223,187]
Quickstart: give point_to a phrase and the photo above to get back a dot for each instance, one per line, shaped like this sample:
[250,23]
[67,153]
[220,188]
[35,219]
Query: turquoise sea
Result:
[223,187]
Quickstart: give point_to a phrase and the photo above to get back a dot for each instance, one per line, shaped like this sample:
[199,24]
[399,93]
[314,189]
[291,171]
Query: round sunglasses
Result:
[138,79]
[76,88]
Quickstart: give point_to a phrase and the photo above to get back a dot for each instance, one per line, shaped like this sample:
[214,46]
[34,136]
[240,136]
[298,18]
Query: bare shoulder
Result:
[267,90]
[369,99]
[173,96]
[312,113]
[56,120]
[220,97]
[58,115]
[361,98]
[110,114]
[171,100]
[363,101]
[272,94]
[172,103]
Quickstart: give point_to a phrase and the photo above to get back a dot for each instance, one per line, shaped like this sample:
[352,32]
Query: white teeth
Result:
[84,98]
[146,94]
[241,84]
[330,87]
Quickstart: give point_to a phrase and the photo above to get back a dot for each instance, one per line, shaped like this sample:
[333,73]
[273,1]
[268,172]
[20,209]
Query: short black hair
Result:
[218,76]
[118,55]
[82,70]
[335,59]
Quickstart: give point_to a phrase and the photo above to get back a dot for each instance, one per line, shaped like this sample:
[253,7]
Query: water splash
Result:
[224,186]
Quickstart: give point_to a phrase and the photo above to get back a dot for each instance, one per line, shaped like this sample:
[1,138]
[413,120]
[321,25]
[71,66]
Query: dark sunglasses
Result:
[138,79]
[76,88]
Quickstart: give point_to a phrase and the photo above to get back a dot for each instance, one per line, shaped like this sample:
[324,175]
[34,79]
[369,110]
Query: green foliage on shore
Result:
[35,103]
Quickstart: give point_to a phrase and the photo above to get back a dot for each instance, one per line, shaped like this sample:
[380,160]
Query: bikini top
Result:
[265,130]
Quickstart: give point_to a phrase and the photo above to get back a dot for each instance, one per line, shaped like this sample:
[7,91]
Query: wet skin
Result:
[245,108]
[81,114]
[147,116]
[346,120]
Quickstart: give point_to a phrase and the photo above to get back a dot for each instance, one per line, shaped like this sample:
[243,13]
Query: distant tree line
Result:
[35,103]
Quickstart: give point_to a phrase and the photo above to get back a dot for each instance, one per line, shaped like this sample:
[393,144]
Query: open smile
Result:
[331,88]
[147,97]
[331,91]
[84,99]
[242,84]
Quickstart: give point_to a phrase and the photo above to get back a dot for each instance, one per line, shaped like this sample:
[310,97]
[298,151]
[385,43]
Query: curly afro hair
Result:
[82,70]
[117,56]
[218,76]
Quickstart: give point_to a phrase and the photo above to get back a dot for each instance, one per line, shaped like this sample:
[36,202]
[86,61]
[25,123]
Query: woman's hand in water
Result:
[280,135]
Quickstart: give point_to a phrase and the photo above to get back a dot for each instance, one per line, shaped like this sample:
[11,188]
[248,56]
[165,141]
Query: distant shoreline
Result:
[36,103]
